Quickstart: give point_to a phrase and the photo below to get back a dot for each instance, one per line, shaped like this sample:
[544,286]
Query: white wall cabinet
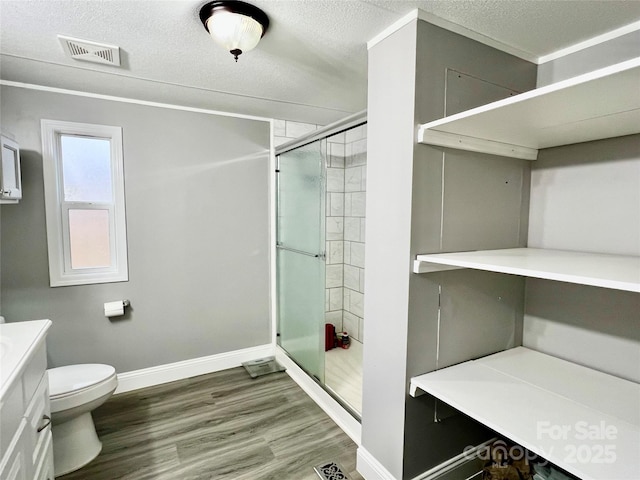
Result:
[514,392]
[10,175]
[25,413]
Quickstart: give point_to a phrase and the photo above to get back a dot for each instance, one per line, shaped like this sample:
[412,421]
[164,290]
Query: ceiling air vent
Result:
[90,51]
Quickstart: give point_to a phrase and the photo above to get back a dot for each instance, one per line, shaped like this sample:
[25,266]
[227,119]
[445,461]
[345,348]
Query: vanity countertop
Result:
[18,341]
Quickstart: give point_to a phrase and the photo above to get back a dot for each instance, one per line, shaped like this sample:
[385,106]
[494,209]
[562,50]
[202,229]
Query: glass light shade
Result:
[234,31]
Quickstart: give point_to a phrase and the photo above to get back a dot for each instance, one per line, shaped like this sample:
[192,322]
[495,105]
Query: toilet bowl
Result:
[75,391]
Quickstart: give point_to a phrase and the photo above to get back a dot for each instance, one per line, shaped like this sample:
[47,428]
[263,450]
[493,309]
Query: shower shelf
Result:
[619,272]
[528,396]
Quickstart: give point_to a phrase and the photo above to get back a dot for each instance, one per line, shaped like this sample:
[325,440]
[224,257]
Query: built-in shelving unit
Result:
[601,104]
[583,420]
[548,405]
[617,272]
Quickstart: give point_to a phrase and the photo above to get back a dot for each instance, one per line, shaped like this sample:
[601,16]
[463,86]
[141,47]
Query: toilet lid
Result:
[63,380]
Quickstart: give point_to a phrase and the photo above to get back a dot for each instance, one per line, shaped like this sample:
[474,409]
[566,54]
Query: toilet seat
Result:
[75,385]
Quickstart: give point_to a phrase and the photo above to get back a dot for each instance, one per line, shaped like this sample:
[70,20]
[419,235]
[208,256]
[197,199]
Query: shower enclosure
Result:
[320,253]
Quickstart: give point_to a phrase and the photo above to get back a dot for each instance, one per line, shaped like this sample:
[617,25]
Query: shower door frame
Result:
[314,367]
[343,125]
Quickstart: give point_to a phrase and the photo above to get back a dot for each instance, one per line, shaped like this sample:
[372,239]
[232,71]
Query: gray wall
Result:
[0,260]
[594,327]
[197,206]
[599,56]
[422,199]
[586,197]
[461,201]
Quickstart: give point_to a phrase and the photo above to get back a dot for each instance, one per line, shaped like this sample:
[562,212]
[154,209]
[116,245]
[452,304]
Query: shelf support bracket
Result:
[414,391]
[474,144]
[420,266]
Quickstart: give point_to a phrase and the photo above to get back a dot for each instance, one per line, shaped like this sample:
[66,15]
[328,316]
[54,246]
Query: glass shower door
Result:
[300,255]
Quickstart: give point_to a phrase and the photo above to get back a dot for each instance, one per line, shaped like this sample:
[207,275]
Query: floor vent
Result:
[89,51]
[330,471]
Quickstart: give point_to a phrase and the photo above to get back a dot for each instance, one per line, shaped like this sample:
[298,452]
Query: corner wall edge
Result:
[418,14]
[394,27]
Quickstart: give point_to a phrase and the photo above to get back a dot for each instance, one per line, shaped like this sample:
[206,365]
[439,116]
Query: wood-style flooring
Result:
[222,426]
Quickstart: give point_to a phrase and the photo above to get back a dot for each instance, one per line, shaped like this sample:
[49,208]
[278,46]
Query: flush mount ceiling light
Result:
[237,26]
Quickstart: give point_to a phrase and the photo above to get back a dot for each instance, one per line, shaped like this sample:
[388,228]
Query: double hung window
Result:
[84,200]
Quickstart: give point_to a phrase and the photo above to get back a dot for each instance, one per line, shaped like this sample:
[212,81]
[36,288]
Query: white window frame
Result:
[58,238]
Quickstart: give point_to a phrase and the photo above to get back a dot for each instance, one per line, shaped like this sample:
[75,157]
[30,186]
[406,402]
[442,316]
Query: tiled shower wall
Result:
[334,296]
[285,130]
[345,231]
[345,223]
[355,177]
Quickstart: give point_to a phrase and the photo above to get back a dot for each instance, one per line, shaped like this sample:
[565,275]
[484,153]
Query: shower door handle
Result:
[301,252]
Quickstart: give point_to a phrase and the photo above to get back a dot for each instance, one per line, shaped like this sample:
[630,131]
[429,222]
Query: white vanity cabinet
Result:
[10,177]
[26,447]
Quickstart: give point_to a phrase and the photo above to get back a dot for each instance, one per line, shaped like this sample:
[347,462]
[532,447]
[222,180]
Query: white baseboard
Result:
[370,468]
[326,402]
[149,377]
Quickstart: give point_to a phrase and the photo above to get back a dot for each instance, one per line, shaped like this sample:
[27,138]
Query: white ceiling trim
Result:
[466,32]
[394,27]
[77,93]
[176,84]
[605,37]
[478,37]
[452,27]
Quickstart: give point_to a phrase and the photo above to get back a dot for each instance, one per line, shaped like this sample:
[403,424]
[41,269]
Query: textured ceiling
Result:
[311,64]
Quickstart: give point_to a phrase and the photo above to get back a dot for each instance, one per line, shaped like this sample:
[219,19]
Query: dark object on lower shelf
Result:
[507,462]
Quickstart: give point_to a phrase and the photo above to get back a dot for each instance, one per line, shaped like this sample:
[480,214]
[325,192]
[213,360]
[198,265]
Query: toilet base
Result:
[75,443]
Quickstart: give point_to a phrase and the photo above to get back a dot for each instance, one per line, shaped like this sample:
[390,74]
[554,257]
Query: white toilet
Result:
[74,391]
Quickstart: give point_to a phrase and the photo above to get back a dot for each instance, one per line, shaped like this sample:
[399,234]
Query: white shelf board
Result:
[619,272]
[601,104]
[529,397]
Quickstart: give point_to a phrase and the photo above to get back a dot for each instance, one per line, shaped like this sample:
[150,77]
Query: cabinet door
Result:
[44,468]
[38,416]
[10,183]
[13,465]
